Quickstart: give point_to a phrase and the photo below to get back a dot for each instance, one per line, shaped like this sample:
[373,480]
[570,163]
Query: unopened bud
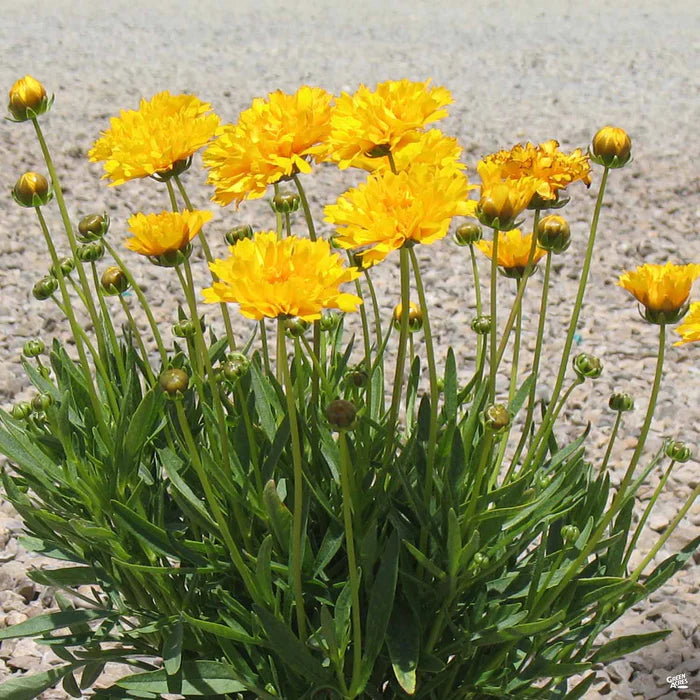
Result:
[570,533]
[33,348]
[611,147]
[114,281]
[678,451]
[341,414]
[540,202]
[238,233]
[553,233]
[235,366]
[93,226]
[66,265]
[172,258]
[295,327]
[184,329]
[285,202]
[44,288]
[42,402]
[415,317]
[21,410]
[587,366]
[621,402]
[32,190]
[28,99]
[90,252]
[496,417]
[330,321]
[357,377]
[380,151]
[174,382]
[468,234]
[481,325]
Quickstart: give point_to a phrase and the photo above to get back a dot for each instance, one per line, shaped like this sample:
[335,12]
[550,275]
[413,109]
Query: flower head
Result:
[662,289]
[293,276]
[28,99]
[383,120]
[388,210]
[611,147]
[689,330]
[513,251]
[154,139]
[274,139]
[167,232]
[502,201]
[553,169]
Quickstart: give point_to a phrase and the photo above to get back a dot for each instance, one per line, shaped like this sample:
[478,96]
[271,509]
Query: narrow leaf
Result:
[403,640]
[622,646]
[51,621]
[30,687]
[172,648]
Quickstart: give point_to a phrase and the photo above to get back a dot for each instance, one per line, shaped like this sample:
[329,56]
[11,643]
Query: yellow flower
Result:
[662,289]
[513,250]
[611,147]
[27,98]
[155,139]
[551,167]
[274,139]
[689,330]
[167,232]
[501,201]
[293,276]
[383,120]
[388,210]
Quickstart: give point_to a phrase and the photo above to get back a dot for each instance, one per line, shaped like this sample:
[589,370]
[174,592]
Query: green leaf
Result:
[335,534]
[450,385]
[263,570]
[172,648]
[70,685]
[280,518]
[403,640]
[232,630]
[262,403]
[454,544]
[581,688]
[68,576]
[293,652]
[198,678]
[91,673]
[668,567]
[51,621]
[30,687]
[519,399]
[141,423]
[622,646]
[424,418]
[424,561]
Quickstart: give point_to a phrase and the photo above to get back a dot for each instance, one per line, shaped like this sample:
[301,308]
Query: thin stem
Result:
[352,562]
[251,438]
[139,340]
[278,215]
[305,207]
[494,318]
[171,194]
[474,496]
[611,442]
[477,283]
[110,326]
[265,348]
[283,363]
[375,307]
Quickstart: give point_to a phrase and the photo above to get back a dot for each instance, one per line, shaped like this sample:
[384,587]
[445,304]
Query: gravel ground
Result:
[555,70]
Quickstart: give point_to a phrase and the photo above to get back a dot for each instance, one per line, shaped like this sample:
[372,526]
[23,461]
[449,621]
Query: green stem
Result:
[494,318]
[278,215]
[297,537]
[375,308]
[352,562]
[474,496]
[305,207]
[265,348]
[171,194]
[110,327]
[254,454]
[139,340]
[611,442]
[477,284]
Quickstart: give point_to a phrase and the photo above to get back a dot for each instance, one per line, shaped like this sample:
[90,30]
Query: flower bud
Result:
[478,562]
[45,371]
[28,99]
[496,418]
[90,252]
[32,190]
[177,168]
[415,317]
[172,258]
[238,233]
[184,329]
[357,377]
[42,402]
[556,202]
[621,402]
[587,366]
[481,325]
[295,327]
[235,366]
[611,147]
[114,280]
[553,233]
[66,266]
[543,481]
[21,410]
[468,234]
[379,151]
[174,382]
[570,533]
[330,321]
[285,202]
[44,288]
[678,451]
[92,227]
[341,414]
[33,348]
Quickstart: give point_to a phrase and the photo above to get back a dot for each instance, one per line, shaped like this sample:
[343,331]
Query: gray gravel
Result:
[518,71]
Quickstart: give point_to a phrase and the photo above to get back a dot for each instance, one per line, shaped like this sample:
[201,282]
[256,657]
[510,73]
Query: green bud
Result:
[93,226]
[380,151]
[357,377]
[32,190]
[42,402]
[28,99]
[238,233]
[44,288]
[66,265]
[330,321]
[468,234]
[184,329]
[90,252]
[285,202]
[587,366]
[553,233]
[295,327]
[235,366]
[33,348]
[678,451]
[341,414]
[21,410]
[174,382]
[496,418]
[570,533]
[539,202]
[621,402]
[481,325]
[114,281]
[611,147]
[172,258]
[415,317]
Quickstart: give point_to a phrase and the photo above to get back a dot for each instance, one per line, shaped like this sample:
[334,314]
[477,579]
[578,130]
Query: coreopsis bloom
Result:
[689,330]
[269,277]
[553,169]
[513,251]
[156,139]
[502,201]
[388,210]
[167,232]
[273,140]
[663,290]
[383,120]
